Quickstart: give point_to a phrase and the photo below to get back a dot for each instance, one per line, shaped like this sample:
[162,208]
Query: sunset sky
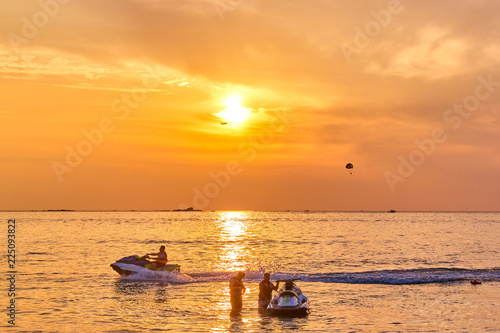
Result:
[250,104]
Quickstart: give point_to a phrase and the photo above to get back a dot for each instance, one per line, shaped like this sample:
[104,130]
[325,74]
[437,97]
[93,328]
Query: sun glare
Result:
[234,112]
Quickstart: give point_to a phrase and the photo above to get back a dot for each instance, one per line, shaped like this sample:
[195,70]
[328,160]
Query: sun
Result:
[234,113]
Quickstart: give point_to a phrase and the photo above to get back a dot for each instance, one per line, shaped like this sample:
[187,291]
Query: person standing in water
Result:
[266,288]
[161,258]
[236,290]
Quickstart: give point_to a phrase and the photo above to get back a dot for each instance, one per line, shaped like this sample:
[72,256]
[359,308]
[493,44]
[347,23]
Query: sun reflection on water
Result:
[233,232]
[233,225]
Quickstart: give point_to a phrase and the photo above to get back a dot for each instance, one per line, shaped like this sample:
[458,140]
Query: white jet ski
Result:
[289,302]
[136,264]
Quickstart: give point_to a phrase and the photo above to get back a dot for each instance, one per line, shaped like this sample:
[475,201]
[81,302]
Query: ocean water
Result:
[363,272]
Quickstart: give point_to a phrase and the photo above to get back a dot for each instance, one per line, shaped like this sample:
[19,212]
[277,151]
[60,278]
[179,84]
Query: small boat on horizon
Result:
[189,209]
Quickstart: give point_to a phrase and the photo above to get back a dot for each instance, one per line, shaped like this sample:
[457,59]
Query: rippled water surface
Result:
[363,272]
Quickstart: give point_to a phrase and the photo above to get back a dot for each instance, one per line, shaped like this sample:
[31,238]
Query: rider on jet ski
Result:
[161,258]
[289,285]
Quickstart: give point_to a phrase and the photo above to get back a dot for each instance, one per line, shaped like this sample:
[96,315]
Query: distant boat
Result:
[189,209]
[223,123]
[391,211]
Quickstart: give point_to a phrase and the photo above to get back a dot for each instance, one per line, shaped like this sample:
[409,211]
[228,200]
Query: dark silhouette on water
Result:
[236,290]
[266,288]
[189,209]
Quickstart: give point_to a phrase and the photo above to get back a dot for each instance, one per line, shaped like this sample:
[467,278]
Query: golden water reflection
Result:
[233,255]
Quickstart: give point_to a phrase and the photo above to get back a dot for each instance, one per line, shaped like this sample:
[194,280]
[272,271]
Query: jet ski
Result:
[289,302]
[135,264]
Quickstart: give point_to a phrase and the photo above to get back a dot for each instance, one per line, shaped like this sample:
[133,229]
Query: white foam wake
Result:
[170,277]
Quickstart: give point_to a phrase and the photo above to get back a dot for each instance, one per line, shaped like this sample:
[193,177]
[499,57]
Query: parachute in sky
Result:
[349,166]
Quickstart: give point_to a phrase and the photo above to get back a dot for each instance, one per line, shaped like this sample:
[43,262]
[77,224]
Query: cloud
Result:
[432,56]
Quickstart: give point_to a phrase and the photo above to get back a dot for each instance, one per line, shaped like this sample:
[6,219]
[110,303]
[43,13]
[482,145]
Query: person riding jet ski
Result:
[135,264]
[161,258]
